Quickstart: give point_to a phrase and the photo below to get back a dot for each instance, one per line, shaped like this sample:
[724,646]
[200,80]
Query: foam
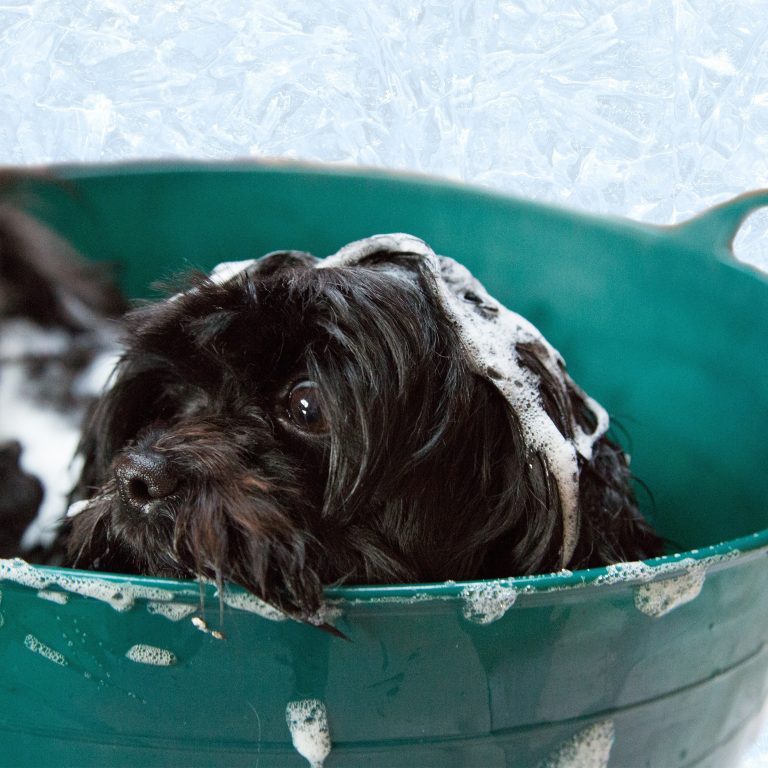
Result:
[150,654]
[62,598]
[171,611]
[227,270]
[308,723]
[660,597]
[245,601]
[490,333]
[589,748]
[34,645]
[327,613]
[486,603]
[121,597]
[665,586]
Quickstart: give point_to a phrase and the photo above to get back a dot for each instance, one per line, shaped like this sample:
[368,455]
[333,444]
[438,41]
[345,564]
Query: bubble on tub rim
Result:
[121,597]
[487,602]
[589,748]
[658,598]
[245,601]
[664,586]
[307,720]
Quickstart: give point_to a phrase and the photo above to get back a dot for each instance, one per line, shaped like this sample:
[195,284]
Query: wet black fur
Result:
[423,475]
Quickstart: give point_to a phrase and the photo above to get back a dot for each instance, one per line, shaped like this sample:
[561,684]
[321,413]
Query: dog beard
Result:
[296,424]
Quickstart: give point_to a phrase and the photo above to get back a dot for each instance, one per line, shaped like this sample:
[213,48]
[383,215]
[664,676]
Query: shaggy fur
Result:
[396,463]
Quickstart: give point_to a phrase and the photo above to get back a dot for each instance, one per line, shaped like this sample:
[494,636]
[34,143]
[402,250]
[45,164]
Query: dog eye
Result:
[305,406]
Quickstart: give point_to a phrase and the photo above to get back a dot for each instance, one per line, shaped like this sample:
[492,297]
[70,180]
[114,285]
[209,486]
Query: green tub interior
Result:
[661,325]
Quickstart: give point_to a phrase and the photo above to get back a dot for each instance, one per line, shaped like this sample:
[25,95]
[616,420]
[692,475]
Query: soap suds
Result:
[171,611]
[665,586]
[121,597]
[34,645]
[62,598]
[149,654]
[245,601]
[660,597]
[308,723]
[225,271]
[487,602]
[589,748]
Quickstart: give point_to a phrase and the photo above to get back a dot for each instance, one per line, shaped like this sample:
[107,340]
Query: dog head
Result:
[289,423]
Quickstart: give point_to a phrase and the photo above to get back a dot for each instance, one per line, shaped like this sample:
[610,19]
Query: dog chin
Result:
[289,424]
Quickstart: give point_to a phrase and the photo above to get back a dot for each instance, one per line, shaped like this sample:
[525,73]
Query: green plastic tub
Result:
[657,665]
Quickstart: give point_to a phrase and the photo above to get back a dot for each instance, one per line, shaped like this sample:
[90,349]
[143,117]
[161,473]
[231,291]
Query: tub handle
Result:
[716,228]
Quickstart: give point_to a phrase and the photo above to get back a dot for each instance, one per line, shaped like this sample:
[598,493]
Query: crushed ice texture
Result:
[644,109]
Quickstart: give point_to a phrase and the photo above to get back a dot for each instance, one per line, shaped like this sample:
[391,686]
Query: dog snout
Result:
[144,478]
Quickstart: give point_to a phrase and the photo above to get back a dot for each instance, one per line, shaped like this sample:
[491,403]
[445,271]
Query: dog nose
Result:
[144,477]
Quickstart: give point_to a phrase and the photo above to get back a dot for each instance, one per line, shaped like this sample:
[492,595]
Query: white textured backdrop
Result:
[652,109]
[648,109]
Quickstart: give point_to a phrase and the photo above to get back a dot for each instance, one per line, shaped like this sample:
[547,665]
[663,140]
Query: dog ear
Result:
[611,528]
[430,477]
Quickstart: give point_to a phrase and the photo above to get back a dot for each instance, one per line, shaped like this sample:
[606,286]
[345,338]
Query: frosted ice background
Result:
[651,110]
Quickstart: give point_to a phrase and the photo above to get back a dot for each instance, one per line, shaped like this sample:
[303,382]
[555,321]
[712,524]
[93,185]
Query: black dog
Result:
[377,417]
